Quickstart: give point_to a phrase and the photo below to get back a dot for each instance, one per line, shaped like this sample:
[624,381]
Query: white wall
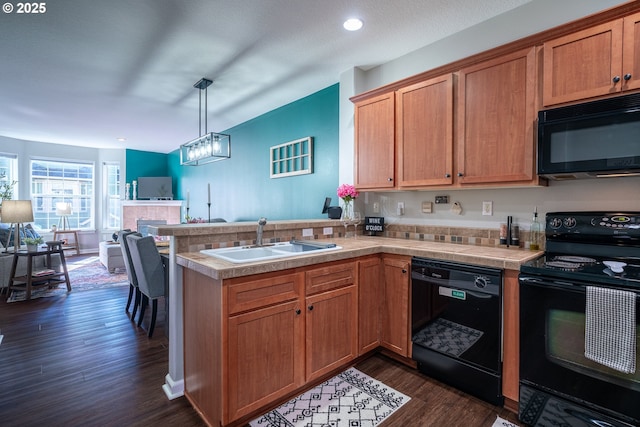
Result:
[26,150]
[615,194]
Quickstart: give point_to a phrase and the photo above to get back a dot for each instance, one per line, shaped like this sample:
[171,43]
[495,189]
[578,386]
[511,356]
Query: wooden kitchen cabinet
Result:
[265,333]
[250,341]
[395,326]
[375,143]
[496,113]
[424,133]
[511,334]
[331,318]
[601,60]
[370,284]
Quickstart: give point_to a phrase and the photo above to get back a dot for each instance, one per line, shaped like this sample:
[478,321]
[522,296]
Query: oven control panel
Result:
[584,225]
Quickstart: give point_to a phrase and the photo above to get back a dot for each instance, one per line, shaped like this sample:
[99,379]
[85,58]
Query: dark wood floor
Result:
[79,360]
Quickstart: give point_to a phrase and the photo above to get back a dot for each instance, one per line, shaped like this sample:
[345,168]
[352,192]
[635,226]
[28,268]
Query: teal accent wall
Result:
[145,163]
[241,189]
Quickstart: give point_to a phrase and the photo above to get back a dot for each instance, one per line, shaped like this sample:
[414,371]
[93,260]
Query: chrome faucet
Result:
[261,223]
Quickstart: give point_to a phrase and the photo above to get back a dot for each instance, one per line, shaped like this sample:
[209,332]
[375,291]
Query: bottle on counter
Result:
[503,234]
[535,232]
[515,235]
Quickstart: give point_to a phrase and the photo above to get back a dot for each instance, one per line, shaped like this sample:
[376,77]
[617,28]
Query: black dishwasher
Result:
[456,324]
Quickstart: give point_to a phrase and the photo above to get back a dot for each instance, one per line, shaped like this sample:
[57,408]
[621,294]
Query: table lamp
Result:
[63,210]
[16,212]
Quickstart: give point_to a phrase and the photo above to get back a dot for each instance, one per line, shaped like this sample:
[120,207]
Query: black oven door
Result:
[552,346]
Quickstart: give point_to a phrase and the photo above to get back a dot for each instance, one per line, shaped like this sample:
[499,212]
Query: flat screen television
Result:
[155,188]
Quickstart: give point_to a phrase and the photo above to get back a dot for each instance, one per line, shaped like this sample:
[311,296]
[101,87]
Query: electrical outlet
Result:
[400,208]
[307,232]
[427,207]
[327,231]
[487,208]
[376,207]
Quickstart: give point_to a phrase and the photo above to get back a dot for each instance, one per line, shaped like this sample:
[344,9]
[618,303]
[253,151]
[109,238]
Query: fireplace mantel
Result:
[133,210]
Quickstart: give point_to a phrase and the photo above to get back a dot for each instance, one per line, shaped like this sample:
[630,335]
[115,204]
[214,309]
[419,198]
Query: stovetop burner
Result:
[575,259]
[568,262]
[563,265]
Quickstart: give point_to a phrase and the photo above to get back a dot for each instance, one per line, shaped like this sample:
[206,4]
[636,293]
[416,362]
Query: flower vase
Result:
[347,215]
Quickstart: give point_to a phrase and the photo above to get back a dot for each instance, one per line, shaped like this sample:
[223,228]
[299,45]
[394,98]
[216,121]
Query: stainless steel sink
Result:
[240,254]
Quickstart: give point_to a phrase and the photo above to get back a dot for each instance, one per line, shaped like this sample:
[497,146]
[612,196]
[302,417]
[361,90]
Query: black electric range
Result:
[589,275]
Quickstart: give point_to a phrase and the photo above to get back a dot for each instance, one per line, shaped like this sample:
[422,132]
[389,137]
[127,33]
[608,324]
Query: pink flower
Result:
[347,192]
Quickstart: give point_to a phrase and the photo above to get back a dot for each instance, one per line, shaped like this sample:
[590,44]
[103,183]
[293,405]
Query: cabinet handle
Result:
[310,308]
[447,175]
[627,76]
[404,271]
[389,179]
[298,311]
[460,174]
[616,79]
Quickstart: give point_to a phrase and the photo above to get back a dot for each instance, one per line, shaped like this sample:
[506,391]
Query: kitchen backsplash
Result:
[210,237]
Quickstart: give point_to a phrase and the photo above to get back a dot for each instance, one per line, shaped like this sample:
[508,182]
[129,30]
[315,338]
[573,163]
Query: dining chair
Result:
[149,270]
[131,274]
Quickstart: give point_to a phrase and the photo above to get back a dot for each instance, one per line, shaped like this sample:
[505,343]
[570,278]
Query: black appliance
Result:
[334,212]
[561,383]
[589,140]
[456,322]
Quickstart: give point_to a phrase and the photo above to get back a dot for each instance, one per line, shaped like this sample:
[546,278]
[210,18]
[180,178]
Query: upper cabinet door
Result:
[584,64]
[496,113]
[375,143]
[631,53]
[424,133]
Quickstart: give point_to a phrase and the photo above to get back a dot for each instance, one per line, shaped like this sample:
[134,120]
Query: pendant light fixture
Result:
[210,146]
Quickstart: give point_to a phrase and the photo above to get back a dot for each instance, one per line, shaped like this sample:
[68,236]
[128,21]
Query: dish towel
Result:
[610,329]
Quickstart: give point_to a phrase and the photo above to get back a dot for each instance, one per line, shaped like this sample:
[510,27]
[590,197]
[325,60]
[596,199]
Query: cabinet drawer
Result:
[330,277]
[276,288]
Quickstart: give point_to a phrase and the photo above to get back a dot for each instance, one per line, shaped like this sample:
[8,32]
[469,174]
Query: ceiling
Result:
[88,72]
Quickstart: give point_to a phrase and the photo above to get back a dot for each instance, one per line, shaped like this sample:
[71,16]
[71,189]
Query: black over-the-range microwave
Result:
[589,140]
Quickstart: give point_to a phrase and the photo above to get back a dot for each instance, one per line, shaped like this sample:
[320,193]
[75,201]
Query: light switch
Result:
[427,207]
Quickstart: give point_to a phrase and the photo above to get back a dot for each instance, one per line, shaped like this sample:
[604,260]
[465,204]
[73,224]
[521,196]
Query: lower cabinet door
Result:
[266,356]
[395,326]
[331,324]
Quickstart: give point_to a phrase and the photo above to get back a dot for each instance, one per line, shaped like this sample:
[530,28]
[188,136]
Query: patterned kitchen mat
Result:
[348,399]
[447,337]
[501,422]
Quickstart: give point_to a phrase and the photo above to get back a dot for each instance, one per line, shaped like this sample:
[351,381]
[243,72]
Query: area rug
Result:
[84,274]
[349,399]
[447,337]
[500,422]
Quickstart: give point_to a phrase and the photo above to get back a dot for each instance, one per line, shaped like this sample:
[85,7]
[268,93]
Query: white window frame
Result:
[291,158]
[111,196]
[11,171]
[47,191]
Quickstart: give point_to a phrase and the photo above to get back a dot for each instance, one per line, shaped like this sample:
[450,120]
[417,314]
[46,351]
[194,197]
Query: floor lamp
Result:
[16,212]
[63,210]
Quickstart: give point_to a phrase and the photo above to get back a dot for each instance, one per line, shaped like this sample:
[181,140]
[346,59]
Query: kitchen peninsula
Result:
[257,333]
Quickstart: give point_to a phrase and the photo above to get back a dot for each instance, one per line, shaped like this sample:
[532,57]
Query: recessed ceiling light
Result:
[121,139]
[352,24]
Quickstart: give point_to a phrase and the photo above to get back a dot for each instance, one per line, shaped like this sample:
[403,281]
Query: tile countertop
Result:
[508,259]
